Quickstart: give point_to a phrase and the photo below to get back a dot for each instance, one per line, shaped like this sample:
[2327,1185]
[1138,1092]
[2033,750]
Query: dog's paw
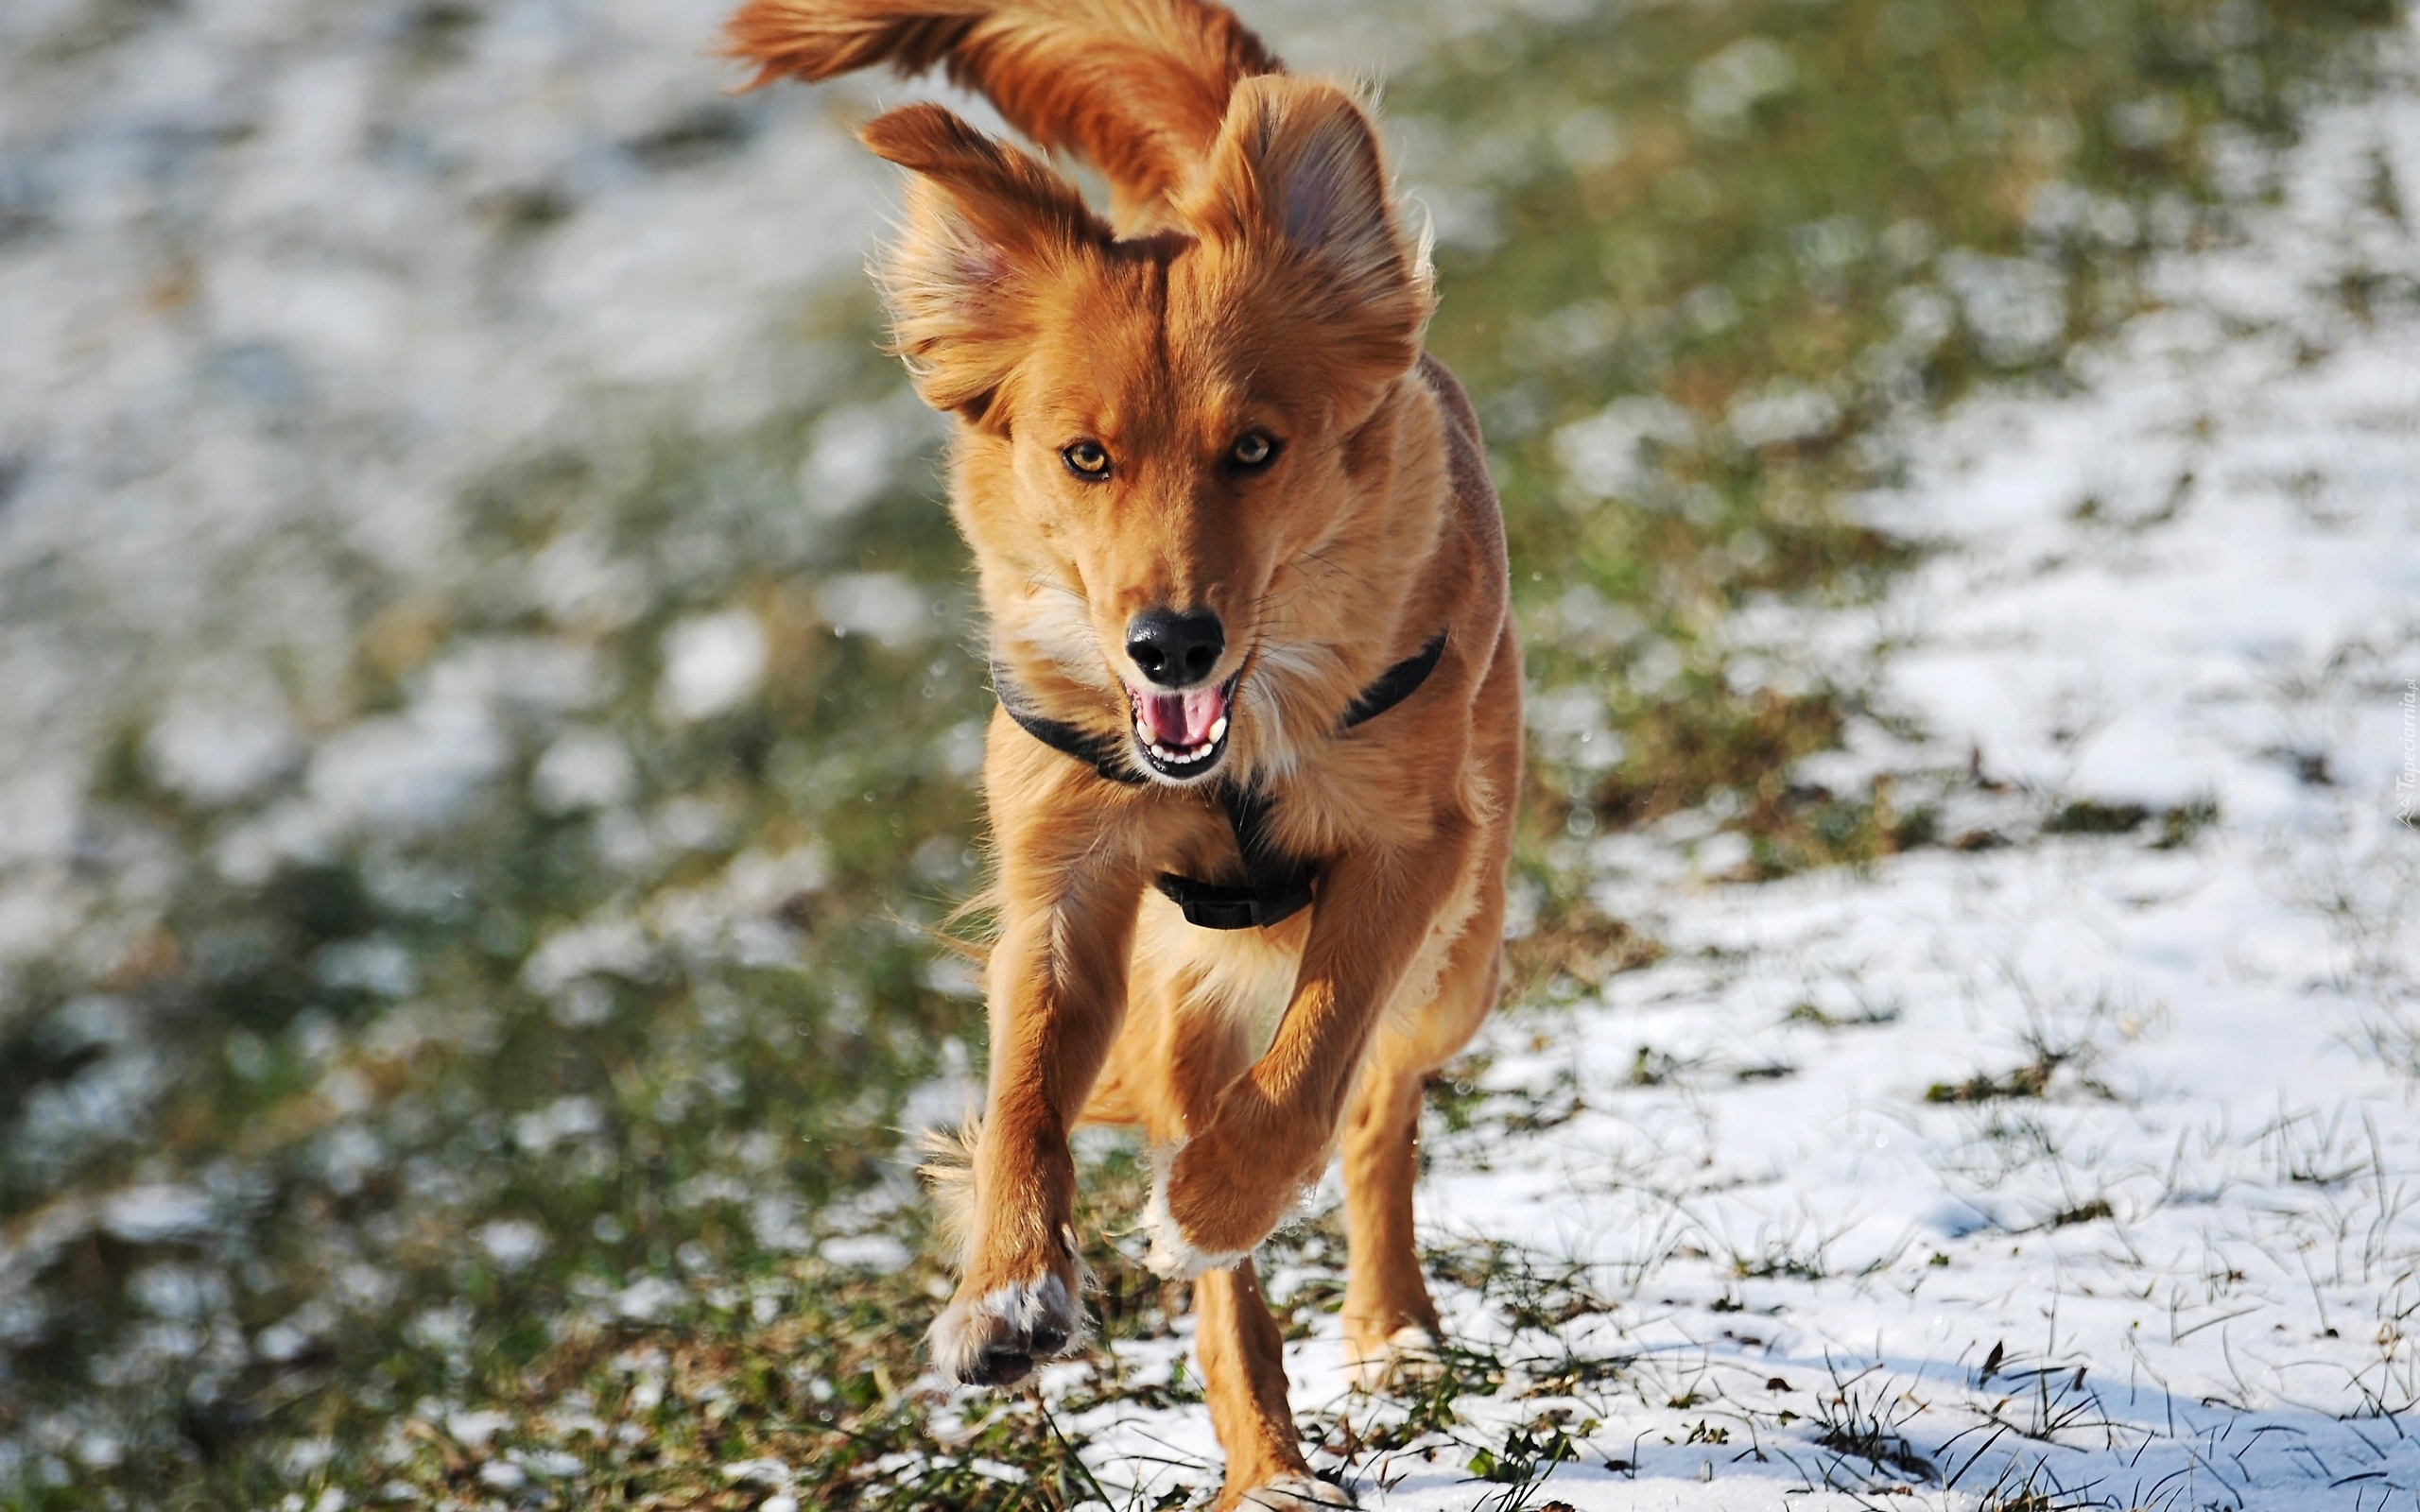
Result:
[1408,1355]
[1291,1494]
[1173,1256]
[993,1338]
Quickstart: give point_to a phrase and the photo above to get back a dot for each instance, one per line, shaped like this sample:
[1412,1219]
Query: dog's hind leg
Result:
[1389,1318]
[1387,1308]
[1243,1373]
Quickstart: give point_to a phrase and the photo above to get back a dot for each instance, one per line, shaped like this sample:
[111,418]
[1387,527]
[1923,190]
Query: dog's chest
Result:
[1249,973]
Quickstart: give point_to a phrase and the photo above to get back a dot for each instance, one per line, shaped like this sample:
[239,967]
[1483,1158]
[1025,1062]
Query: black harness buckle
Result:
[1207,905]
[1277,886]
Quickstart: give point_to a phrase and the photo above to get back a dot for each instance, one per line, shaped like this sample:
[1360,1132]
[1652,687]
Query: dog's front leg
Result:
[1057,992]
[1235,1179]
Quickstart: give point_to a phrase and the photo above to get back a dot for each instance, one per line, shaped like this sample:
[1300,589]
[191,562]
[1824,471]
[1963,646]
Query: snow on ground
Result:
[2076,1155]
[282,281]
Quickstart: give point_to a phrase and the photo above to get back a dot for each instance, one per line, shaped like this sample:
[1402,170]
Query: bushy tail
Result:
[1137,88]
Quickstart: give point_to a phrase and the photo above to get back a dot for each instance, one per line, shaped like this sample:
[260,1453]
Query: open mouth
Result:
[1183,734]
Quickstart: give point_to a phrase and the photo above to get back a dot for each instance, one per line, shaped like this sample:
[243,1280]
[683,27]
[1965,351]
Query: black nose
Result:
[1175,649]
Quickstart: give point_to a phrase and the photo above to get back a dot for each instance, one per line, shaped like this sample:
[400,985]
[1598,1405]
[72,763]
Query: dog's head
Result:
[1163,439]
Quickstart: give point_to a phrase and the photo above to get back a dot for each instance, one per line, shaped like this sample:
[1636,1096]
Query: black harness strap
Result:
[1277,886]
[1394,684]
[1102,753]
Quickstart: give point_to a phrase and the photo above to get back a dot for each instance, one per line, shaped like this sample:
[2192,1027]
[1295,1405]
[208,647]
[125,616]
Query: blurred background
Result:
[487,689]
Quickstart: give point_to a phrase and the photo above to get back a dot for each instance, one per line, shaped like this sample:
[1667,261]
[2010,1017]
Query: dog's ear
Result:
[984,220]
[1296,173]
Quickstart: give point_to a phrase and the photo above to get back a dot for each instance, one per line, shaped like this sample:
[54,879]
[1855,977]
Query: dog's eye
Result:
[1087,459]
[1253,449]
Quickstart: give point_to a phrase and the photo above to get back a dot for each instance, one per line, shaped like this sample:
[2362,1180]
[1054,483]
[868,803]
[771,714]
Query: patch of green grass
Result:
[2091,816]
[1573,942]
[2092,1211]
[2069,1041]
[1866,1017]
[2031,1079]
[2178,826]
[1683,222]
[1863,1425]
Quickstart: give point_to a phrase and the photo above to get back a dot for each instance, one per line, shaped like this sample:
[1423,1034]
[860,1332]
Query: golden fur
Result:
[1256,280]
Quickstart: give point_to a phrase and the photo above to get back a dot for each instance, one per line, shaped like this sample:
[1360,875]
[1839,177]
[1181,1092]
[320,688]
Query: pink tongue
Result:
[1182,719]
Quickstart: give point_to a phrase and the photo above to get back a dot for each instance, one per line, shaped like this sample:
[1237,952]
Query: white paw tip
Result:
[1292,1492]
[1024,1309]
[1410,1350]
[1173,1257]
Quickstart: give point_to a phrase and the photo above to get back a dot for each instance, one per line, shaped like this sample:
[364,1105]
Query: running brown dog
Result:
[1260,741]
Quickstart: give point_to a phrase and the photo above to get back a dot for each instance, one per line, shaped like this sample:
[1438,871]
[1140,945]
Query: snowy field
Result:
[2075,1157]
[445,467]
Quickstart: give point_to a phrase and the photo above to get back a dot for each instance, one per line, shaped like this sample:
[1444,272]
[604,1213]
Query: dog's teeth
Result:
[1189,755]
